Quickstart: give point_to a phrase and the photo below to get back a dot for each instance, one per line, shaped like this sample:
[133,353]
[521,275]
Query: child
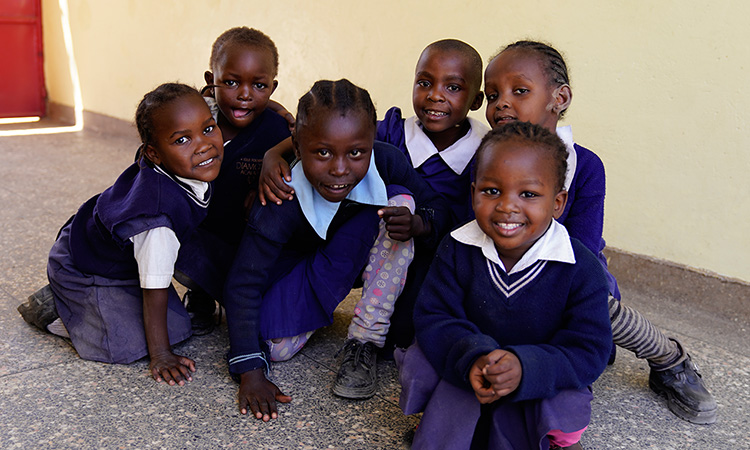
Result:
[244,64]
[528,81]
[110,269]
[298,260]
[439,142]
[512,315]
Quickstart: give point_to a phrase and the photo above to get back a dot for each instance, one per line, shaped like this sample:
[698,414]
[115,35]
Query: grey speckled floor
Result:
[50,398]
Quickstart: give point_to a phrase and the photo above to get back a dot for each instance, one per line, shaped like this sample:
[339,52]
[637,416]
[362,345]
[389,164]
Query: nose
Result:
[338,167]
[506,204]
[435,94]
[502,102]
[243,92]
[203,144]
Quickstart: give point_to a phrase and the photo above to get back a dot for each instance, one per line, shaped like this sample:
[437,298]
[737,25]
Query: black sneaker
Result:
[687,396]
[40,309]
[201,308]
[357,378]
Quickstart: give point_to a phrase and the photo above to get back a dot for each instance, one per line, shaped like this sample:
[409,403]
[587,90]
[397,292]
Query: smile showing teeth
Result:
[337,186]
[509,226]
[436,113]
[206,162]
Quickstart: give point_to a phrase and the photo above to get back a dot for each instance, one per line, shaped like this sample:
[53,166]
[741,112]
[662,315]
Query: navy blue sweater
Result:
[557,323]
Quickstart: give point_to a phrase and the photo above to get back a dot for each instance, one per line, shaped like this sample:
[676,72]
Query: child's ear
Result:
[209,77]
[295,144]
[560,200]
[275,85]
[477,103]
[563,96]
[152,155]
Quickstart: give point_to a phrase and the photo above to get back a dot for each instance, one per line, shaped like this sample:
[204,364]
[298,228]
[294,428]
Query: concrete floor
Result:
[50,398]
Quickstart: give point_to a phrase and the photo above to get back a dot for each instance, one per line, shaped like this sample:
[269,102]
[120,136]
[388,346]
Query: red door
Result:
[22,90]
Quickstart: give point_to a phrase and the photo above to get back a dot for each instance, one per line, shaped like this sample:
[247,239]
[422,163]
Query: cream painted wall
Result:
[658,87]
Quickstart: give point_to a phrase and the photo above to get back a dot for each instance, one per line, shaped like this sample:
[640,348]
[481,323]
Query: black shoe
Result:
[687,396]
[40,309]
[201,308]
[357,378]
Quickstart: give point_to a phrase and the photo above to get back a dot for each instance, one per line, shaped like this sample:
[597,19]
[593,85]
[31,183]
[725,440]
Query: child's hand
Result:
[482,388]
[401,224]
[174,369]
[503,372]
[271,185]
[260,395]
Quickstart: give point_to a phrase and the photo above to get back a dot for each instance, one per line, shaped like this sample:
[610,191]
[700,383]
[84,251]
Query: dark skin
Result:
[165,365]
[260,395]
[495,375]
[400,223]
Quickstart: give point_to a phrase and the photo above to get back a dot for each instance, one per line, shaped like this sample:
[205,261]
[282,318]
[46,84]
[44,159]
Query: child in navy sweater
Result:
[110,269]
[528,81]
[513,313]
[299,259]
[244,63]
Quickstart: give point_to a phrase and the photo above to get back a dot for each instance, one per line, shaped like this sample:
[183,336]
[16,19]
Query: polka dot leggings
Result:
[384,279]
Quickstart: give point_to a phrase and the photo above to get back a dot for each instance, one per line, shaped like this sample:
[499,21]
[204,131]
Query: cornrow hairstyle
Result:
[152,102]
[467,51]
[553,64]
[243,36]
[341,96]
[532,134]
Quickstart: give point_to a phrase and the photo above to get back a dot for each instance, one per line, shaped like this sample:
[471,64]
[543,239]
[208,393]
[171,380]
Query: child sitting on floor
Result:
[244,63]
[528,81]
[298,260]
[513,313]
[110,269]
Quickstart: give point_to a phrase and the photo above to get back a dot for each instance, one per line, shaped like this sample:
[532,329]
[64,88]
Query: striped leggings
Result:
[632,331]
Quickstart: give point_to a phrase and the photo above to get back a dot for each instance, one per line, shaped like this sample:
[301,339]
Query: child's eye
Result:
[323,152]
[423,83]
[230,83]
[528,195]
[181,140]
[356,152]
[209,129]
[260,86]
[491,97]
[454,88]
[491,191]
[520,91]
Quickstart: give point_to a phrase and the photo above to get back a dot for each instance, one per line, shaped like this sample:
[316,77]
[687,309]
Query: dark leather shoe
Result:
[687,396]
[357,377]
[201,308]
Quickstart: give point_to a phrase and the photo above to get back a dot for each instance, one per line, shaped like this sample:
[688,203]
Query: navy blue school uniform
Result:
[208,252]
[94,274]
[452,181]
[287,279]
[550,311]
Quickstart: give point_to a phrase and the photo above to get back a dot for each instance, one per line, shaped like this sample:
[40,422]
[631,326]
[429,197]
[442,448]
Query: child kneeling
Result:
[511,323]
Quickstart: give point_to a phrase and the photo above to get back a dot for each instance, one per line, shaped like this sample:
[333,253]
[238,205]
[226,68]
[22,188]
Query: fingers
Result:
[390,211]
[275,189]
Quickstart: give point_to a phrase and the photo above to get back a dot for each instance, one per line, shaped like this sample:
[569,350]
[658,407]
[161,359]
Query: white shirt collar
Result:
[319,212]
[553,245]
[566,135]
[457,156]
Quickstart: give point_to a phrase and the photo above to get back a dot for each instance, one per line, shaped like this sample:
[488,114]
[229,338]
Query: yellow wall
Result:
[659,87]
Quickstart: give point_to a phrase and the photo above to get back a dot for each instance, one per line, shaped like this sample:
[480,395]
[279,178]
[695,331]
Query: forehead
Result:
[517,158]
[180,113]
[329,122]
[516,63]
[243,54]
[438,60]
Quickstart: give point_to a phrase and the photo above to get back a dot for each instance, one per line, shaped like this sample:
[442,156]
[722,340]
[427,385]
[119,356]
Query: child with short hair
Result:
[512,315]
[244,63]
[528,81]
[439,141]
[110,269]
[298,260]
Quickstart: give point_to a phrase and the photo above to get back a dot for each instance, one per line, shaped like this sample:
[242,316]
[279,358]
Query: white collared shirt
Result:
[553,245]
[457,156]
[566,135]
[319,212]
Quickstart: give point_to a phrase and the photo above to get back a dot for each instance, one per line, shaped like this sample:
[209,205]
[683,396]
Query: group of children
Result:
[479,251]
